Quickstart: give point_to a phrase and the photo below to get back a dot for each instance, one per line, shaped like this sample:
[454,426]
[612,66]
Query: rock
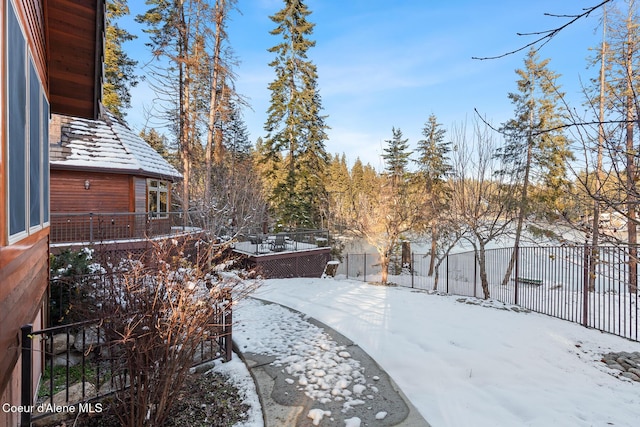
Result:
[61,342]
[635,371]
[625,363]
[631,376]
[617,366]
[92,337]
[60,400]
[74,359]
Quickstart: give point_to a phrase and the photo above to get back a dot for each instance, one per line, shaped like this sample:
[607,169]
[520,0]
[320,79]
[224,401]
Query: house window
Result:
[158,198]
[27,149]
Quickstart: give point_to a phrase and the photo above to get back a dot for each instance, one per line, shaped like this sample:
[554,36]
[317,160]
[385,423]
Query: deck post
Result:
[90,227]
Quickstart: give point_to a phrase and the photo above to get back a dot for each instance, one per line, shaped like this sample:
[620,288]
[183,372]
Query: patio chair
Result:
[279,243]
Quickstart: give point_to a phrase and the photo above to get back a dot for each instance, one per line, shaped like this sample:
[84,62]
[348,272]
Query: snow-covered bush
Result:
[159,313]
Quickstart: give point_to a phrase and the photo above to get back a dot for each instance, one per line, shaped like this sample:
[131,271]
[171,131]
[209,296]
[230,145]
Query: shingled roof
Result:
[106,145]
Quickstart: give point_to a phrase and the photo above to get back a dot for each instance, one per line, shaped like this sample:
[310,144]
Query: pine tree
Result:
[296,130]
[433,168]
[432,153]
[396,156]
[339,190]
[159,143]
[535,148]
[119,76]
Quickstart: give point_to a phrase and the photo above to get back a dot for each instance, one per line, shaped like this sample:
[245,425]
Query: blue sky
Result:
[385,64]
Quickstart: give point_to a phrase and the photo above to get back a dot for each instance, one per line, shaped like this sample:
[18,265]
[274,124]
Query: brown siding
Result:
[3,134]
[74,46]
[34,17]
[140,185]
[107,192]
[24,272]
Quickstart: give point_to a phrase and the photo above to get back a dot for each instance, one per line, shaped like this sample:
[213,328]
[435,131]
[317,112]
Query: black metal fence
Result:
[81,363]
[567,282]
[285,241]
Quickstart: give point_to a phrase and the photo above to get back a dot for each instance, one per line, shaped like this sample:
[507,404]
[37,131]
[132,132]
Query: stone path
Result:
[627,363]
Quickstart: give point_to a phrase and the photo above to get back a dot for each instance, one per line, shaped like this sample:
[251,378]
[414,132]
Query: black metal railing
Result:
[88,227]
[568,282]
[81,357]
[285,241]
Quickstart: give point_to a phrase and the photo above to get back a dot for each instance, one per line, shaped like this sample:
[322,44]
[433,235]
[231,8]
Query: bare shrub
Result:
[161,310]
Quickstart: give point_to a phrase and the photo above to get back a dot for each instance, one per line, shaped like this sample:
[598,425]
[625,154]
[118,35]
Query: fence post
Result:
[347,266]
[365,267]
[228,322]
[26,392]
[447,271]
[517,268]
[585,285]
[411,267]
[475,275]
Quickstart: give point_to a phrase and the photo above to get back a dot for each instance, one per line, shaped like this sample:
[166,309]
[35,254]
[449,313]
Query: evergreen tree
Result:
[433,168]
[119,76]
[396,156]
[432,151]
[296,130]
[236,135]
[535,149]
[339,190]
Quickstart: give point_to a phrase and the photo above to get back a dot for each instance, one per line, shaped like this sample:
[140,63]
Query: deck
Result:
[283,255]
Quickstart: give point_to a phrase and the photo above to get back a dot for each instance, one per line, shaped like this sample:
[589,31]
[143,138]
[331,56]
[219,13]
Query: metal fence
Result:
[90,227]
[285,241]
[554,280]
[82,361]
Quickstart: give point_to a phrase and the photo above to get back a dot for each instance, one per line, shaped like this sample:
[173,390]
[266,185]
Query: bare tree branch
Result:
[547,35]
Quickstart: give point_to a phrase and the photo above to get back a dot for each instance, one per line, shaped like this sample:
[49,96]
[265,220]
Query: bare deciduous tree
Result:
[481,200]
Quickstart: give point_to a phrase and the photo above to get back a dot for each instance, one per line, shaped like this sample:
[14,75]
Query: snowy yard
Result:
[476,364]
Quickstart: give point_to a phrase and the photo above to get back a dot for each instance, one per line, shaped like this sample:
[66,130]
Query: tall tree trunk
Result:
[632,197]
[523,208]
[434,238]
[595,226]
[482,264]
[184,130]
[384,265]
[406,255]
[214,156]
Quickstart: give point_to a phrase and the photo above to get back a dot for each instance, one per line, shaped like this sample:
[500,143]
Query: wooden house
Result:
[51,62]
[107,183]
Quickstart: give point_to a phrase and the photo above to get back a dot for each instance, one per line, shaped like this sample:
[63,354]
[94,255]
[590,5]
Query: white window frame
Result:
[158,189]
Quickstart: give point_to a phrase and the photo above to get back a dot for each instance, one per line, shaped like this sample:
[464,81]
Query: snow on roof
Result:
[106,144]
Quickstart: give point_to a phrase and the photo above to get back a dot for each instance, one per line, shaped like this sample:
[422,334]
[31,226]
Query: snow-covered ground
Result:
[236,372]
[459,363]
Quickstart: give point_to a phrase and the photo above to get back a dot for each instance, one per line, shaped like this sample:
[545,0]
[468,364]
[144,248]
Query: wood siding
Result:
[24,273]
[75,52]
[24,266]
[107,192]
[140,192]
[34,17]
